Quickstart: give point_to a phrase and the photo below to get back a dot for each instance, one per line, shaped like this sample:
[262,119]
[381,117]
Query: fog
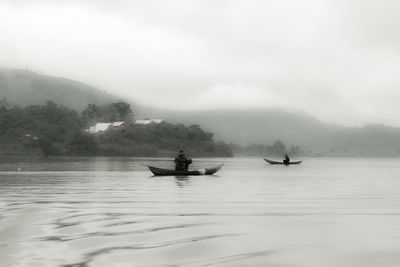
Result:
[335,60]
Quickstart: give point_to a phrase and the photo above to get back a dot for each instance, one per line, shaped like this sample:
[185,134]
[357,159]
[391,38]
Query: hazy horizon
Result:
[334,60]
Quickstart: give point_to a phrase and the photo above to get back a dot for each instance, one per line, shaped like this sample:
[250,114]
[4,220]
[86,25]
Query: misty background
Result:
[226,81]
[317,74]
[334,60]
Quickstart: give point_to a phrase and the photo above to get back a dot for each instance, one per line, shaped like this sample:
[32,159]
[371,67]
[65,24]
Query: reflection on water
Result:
[113,212]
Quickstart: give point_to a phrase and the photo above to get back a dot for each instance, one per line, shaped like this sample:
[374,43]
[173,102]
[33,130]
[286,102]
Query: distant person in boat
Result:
[286,160]
[182,161]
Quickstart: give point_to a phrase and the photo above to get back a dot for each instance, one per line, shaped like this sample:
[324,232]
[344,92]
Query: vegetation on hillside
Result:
[277,149]
[51,129]
[253,130]
[118,111]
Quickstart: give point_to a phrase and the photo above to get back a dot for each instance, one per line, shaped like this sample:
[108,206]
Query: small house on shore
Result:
[104,126]
[147,122]
[101,127]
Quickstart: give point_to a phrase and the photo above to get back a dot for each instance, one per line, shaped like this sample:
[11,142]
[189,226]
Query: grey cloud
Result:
[333,59]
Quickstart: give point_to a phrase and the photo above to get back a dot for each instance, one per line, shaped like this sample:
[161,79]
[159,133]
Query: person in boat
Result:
[182,161]
[286,160]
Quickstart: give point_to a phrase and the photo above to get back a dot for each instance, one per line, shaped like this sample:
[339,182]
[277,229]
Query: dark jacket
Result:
[182,162]
[286,159]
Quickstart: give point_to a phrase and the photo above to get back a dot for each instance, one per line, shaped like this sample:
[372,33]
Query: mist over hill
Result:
[246,127]
[315,138]
[24,87]
[243,127]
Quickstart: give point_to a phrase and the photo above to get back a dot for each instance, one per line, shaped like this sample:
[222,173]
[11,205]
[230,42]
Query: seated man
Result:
[286,160]
[182,161]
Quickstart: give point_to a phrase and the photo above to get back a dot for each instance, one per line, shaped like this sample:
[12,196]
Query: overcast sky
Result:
[338,60]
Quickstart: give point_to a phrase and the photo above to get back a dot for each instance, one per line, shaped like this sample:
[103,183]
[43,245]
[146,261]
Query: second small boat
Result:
[282,163]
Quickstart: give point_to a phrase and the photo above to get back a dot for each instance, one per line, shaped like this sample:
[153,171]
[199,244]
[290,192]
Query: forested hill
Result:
[264,127]
[24,88]
[243,127]
[51,130]
[246,127]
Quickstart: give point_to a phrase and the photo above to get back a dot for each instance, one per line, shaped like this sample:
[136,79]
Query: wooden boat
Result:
[283,163]
[164,172]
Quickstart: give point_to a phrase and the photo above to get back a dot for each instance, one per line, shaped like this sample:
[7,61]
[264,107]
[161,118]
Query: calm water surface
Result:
[113,212]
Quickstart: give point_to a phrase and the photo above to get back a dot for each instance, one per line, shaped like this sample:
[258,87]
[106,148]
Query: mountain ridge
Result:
[243,127]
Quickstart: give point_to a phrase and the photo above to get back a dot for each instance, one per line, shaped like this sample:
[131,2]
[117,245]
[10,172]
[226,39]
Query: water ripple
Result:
[117,233]
[89,257]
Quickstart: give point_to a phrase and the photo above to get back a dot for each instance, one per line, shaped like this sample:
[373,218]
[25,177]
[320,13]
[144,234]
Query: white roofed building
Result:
[143,122]
[147,122]
[99,127]
[104,126]
[117,123]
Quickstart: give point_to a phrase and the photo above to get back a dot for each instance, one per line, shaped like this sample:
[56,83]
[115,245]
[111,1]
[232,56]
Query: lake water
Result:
[113,212]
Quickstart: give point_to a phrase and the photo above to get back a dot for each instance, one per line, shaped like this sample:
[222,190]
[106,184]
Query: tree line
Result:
[52,129]
[278,149]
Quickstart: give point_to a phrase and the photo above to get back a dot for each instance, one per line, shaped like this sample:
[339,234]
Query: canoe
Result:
[208,171]
[282,163]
